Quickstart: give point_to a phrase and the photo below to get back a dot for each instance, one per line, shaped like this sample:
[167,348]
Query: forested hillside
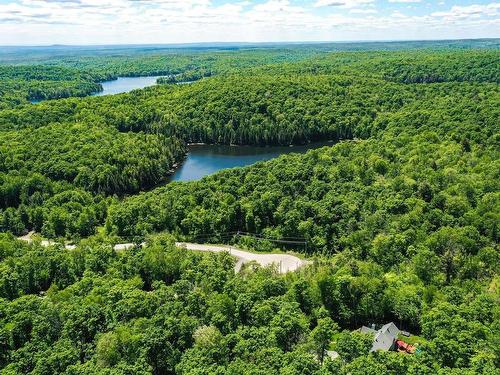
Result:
[400,215]
[20,84]
[77,73]
[83,141]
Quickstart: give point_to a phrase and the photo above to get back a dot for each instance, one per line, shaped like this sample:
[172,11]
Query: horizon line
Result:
[237,43]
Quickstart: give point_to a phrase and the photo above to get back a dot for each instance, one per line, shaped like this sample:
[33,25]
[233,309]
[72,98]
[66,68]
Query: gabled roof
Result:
[383,338]
[391,329]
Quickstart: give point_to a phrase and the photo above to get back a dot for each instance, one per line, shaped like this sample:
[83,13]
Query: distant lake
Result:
[203,160]
[125,84]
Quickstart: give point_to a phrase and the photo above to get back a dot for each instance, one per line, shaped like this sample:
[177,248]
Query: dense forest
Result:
[163,310]
[78,73]
[19,84]
[400,214]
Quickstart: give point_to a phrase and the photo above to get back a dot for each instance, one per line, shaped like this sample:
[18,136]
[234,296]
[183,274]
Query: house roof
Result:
[383,338]
[391,329]
[382,341]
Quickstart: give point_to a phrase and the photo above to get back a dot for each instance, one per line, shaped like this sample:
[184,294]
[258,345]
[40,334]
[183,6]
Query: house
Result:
[383,339]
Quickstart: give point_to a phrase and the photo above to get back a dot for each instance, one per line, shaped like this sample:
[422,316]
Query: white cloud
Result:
[341,3]
[157,21]
[461,12]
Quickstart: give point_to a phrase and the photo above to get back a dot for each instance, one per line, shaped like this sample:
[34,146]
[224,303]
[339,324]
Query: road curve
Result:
[284,262]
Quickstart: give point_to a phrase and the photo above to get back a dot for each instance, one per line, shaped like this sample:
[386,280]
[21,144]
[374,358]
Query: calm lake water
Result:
[203,160]
[126,84]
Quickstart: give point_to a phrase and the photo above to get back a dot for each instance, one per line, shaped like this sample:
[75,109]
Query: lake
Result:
[125,84]
[203,160]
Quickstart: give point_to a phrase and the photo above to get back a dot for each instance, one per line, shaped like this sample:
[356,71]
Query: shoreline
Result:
[326,143]
[180,162]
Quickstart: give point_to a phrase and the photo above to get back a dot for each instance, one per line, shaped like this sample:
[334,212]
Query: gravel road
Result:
[285,262]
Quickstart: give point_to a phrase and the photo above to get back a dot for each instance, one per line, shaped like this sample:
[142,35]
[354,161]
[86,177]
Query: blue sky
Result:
[33,22]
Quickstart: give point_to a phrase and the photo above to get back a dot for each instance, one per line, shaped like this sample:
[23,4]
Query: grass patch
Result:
[412,339]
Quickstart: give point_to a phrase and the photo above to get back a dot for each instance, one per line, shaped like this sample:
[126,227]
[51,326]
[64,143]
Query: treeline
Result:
[22,83]
[56,210]
[136,62]
[38,90]
[45,73]
[14,93]
[189,76]
[428,170]
[164,310]
[469,65]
